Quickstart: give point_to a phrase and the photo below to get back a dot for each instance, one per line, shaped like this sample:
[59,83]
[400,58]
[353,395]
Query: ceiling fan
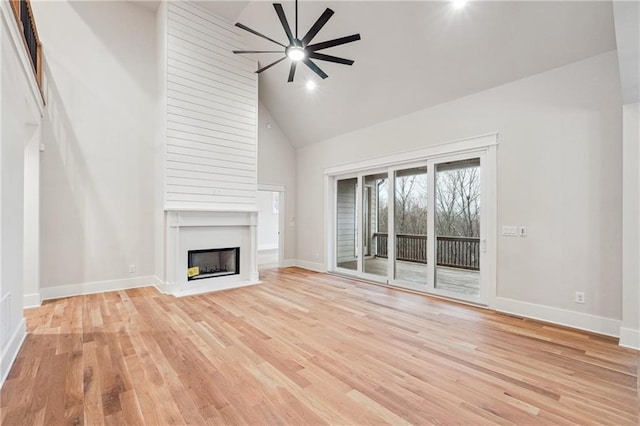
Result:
[299,49]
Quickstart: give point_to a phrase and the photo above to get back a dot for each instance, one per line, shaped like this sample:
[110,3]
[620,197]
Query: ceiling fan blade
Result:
[292,71]
[334,42]
[244,27]
[322,20]
[308,62]
[329,58]
[270,65]
[242,52]
[283,21]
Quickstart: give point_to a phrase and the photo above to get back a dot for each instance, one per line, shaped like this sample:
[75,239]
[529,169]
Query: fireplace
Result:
[213,263]
[188,232]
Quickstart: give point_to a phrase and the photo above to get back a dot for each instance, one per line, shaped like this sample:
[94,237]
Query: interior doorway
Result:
[269,244]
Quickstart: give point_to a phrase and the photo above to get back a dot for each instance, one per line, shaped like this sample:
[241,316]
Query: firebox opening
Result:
[212,263]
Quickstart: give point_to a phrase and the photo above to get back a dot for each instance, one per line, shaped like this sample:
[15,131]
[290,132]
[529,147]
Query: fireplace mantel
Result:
[207,229]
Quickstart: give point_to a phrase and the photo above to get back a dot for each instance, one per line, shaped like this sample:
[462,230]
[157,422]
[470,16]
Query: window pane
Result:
[410,217]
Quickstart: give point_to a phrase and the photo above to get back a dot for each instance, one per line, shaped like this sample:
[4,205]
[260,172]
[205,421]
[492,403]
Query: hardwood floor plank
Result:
[309,348]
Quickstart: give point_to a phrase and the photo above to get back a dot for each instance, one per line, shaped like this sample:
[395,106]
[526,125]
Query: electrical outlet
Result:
[579,296]
[132,269]
[522,231]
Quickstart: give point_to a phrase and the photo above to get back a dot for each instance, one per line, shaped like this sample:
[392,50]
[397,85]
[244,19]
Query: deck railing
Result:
[455,252]
[27,25]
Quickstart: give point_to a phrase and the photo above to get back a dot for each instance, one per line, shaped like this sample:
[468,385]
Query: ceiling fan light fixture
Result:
[296,53]
[301,49]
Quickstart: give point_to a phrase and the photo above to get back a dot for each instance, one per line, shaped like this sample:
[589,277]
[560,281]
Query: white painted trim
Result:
[10,353]
[267,247]
[490,216]
[159,284]
[573,319]
[270,187]
[629,338]
[18,44]
[312,266]
[430,152]
[57,292]
[32,300]
[329,241]
[195,207]
[282,225]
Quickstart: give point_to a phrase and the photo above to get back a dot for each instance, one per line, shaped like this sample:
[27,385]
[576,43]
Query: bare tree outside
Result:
[458,202]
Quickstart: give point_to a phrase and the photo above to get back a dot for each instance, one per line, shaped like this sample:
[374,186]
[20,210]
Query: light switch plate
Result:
[509,231]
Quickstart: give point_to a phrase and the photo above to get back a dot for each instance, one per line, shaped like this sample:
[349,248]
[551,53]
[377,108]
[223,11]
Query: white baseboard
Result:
[573,319]
[288,263]
[629,338]
[11,351]
[159,284]
[97,287]
[312,266]
[31,300]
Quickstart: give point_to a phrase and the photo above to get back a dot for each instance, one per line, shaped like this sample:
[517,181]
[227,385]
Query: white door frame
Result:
[282,217]
[483,146]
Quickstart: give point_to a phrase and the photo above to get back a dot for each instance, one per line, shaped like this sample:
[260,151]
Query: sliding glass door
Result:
[410,225]
[375,198]
[458,195]
[417,226]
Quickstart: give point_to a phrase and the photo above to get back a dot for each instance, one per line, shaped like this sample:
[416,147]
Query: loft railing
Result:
[27,25]
[455,252]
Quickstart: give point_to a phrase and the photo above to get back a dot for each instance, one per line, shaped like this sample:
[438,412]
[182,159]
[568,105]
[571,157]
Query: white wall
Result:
[630,328]
[559,162]
[97,176]
[277,166]
[20,117]
[31,266]
[160,140]
[268,222]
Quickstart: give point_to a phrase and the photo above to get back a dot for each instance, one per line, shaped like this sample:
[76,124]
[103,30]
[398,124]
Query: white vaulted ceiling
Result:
[414,55]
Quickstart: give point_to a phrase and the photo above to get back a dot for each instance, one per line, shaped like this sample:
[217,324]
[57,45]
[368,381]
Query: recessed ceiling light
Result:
[458,4]
[311,85]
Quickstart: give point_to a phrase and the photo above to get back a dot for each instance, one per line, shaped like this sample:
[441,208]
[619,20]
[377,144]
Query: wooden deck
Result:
[461,281]
[306,348]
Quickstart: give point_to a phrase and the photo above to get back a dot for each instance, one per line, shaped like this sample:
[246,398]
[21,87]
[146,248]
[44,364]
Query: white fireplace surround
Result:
[198,230]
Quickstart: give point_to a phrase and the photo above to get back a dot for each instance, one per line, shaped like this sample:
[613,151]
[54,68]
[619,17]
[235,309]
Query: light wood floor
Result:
[304,349]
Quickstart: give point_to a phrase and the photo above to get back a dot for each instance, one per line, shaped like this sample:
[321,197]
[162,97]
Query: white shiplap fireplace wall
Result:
[207,145]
